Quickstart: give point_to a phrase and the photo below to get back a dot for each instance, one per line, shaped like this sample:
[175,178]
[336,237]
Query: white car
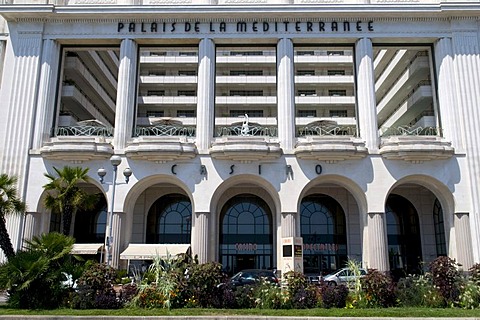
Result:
[342,276]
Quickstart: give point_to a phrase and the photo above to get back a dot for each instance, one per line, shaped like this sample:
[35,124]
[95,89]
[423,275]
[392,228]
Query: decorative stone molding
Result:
[245,149]
[330,148]
[415,149]
[77,149]
[161,149]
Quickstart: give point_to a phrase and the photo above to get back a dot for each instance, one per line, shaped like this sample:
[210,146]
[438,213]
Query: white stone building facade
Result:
[351,124]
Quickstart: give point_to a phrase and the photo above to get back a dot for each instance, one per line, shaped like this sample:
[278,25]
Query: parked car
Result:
[342,276]
[252,276]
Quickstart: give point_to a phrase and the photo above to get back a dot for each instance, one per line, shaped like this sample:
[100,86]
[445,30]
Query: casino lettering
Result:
[246,27]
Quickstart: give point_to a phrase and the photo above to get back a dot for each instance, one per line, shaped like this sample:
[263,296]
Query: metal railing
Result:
[327,131]
[165,130]
[410,131]
[250,130]
[84,131]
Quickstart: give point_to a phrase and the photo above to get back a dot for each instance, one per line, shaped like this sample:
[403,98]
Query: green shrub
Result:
[474,272]
[203,283]
[95,288]
[300,294]
[378,290]
[333,296]
[446,278]
[469,297]
[268,295]
[418,291]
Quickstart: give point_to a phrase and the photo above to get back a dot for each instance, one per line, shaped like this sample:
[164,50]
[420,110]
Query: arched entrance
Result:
[322,225]
[246,238]
[170,220]
[403,231]
[90,225]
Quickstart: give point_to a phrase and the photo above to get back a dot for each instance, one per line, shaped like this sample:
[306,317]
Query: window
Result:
[187,53]
[250,113]
[338,113]
[186,113]
[156,93]
[156,73]
[441,243]
[246,72]
[307,113]
[158,53]
[335,53]
[304,93]
[305,53]
[305,72]
[337,93]
[246,53]
[187,72]
[186,93]
[336,72]
[155,113]
[243,93]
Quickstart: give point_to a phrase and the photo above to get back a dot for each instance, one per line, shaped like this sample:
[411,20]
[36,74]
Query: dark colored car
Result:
[252,276]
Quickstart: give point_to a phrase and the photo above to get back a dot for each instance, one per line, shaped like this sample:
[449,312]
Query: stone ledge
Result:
[245,149]
[330,148]
[161,149]
[416,149]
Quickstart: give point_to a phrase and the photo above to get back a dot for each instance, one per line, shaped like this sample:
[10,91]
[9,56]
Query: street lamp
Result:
[115,161]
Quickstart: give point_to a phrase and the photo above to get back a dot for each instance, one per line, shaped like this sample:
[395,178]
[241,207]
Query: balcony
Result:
[414,144]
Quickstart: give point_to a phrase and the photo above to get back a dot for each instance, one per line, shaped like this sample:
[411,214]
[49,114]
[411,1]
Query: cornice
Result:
[265,12]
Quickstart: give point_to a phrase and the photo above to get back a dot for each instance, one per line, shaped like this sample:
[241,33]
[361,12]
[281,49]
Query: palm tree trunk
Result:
[5,242]
[67,219]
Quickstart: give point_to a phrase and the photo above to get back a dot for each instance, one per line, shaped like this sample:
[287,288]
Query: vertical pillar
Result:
[377,242]
[32,225]
[46,100]
[289,224]
[467,82]
[366,101]
[116,235]
[463,240]
[199,241]
[447,103]
[124,113]
[205,95]
[285,95]
[18,96]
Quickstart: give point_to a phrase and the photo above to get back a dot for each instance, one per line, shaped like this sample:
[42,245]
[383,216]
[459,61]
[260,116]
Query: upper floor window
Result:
[186,93]
[336,72]
[246,93]
[337,93]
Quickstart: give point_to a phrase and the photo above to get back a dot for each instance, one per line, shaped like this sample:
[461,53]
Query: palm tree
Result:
[10,203]
[65,196]
[35,276]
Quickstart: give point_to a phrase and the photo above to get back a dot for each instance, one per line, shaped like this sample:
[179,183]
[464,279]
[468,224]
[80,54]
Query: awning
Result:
[142,251]
[86,248]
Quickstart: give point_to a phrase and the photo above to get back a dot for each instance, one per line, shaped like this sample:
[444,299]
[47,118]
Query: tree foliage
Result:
[65,196]
[10,203]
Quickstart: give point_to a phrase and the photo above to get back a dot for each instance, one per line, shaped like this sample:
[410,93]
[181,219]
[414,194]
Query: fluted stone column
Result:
[205,95]
[377,241]
[286,95]
[32,225]
[467,81]
[125,106]
[200,234]
[447,98]
[463,240]
[21,68]
[289,224]
[46,100]
[118,218]
[366,101]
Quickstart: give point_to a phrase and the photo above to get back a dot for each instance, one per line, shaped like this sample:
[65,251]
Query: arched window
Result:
[90,225]
[322,222]
[246,239]
[440,242]
[170,220]
[403,233]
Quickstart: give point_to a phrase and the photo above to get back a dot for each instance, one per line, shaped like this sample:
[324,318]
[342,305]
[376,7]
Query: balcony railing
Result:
[250,130]
[165,130]
[321,130]
[85,131]
[410,131]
